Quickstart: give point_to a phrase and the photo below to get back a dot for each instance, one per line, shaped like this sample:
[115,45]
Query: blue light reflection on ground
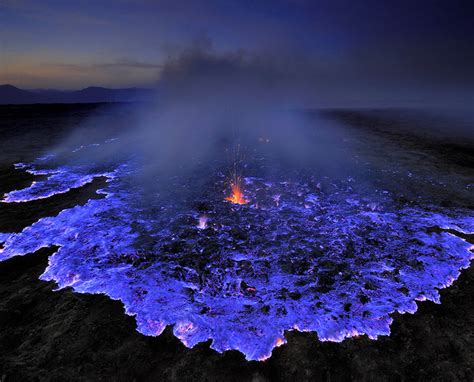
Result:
[297,257]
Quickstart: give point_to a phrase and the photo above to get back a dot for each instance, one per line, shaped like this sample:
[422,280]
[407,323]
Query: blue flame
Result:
[297,257]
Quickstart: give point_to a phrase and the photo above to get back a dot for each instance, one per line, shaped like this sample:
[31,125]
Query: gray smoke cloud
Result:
[206,104]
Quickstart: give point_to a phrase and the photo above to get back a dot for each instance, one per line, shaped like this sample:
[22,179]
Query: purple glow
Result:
[335,261]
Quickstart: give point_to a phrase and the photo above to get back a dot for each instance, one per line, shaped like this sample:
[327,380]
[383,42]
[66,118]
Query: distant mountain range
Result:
[12,95]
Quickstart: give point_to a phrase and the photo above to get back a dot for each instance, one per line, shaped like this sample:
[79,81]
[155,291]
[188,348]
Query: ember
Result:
[237,196]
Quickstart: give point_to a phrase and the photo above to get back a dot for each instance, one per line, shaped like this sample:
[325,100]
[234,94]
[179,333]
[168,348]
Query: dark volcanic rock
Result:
[62,336]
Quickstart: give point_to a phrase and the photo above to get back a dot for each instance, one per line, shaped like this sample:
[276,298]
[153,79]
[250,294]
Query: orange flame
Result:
[237,196]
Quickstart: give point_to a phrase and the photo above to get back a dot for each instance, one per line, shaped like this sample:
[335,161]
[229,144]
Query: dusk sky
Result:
[346,52]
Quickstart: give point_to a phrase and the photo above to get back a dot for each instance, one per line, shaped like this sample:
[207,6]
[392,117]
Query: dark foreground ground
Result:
[46,335]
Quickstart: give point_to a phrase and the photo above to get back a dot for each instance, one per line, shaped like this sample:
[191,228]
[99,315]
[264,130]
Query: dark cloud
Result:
[312,53]
[396,75]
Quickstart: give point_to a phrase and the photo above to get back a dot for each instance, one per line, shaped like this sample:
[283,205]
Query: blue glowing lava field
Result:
[334,256]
